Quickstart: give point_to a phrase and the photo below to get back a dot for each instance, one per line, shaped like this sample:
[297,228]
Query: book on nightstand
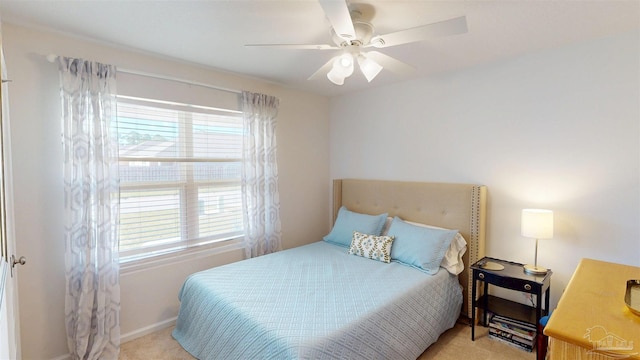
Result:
[513,332]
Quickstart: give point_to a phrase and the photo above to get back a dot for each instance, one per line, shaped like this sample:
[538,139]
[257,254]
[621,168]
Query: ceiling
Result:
[213,33]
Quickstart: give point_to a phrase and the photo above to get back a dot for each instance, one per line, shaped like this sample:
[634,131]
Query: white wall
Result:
[149,296]
[557,129]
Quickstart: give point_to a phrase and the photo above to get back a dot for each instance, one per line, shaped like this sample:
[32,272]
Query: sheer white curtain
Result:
[92,304]
[261,199]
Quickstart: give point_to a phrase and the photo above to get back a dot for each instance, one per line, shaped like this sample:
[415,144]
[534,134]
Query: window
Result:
[179,168]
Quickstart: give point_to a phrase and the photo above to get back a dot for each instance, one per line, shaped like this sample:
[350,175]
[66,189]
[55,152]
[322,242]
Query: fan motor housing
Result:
[363,30]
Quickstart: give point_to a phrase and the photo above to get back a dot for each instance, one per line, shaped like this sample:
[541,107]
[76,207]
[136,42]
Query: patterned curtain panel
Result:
[91,208]
[261,200]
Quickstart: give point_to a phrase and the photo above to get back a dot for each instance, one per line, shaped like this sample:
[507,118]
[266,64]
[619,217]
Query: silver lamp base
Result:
[534,270]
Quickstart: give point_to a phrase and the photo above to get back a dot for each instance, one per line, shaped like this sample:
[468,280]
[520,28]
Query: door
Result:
[9,334]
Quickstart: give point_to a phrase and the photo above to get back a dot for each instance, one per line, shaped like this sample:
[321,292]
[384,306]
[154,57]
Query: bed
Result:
[320,301]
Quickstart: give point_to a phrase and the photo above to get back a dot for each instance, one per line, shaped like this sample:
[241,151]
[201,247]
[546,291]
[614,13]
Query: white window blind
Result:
[179,168]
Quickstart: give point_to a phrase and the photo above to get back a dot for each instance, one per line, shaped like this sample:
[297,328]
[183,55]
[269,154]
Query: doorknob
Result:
[21,261]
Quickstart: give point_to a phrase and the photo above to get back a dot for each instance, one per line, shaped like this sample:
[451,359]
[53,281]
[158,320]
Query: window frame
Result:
[187,188]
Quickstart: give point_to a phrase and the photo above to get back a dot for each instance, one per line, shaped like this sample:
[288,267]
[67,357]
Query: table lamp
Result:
[538,224]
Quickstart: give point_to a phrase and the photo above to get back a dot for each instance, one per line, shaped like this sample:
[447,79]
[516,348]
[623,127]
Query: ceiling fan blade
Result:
[297,46]
[324,69]
[390,63]
[338,14]
[453,26]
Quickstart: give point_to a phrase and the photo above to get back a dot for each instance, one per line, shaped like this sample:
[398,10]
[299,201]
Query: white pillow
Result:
[452,260]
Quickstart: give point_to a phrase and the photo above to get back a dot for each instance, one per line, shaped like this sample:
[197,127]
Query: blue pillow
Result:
[419,247]
[348,221]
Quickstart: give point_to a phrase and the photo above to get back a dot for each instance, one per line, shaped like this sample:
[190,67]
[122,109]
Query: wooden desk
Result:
[592,321]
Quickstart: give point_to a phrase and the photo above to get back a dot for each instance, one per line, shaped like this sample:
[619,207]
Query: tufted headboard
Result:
[451,206]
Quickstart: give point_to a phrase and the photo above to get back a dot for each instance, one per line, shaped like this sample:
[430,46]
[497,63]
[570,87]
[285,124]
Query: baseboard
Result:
[147,330]
[62,357]
[134,334]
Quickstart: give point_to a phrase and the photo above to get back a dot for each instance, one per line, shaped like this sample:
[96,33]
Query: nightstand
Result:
[511,277]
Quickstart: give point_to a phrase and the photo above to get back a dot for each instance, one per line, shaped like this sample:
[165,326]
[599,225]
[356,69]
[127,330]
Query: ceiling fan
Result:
[353,35]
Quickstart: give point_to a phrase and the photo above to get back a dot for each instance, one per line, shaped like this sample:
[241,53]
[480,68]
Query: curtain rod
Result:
[53,57]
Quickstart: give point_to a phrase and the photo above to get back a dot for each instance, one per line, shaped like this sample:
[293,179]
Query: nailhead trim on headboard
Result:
[477,251]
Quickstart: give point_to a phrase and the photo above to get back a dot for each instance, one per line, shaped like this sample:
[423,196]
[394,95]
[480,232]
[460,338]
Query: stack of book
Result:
[513,332]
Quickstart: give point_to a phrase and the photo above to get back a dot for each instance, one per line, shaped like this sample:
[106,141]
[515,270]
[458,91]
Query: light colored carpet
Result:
[452,345]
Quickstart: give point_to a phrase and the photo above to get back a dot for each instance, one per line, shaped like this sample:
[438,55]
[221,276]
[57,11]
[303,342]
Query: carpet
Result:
[454,344]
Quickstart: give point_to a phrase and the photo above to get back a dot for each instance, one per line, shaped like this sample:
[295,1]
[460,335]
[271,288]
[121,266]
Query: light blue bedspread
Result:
[315,302]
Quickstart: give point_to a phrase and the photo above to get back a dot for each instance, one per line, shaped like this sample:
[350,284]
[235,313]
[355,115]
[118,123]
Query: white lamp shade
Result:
[335,76]
[537,223]
[369,68]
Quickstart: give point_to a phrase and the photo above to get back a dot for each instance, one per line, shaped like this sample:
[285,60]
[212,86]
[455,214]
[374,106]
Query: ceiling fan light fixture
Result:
[342,68]
[335,76]
[345,64]
[370,69]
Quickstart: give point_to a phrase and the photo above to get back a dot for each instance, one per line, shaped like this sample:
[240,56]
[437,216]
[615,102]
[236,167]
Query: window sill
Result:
[178,256]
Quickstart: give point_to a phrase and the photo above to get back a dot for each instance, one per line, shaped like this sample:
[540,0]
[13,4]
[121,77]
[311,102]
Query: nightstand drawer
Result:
[508,282]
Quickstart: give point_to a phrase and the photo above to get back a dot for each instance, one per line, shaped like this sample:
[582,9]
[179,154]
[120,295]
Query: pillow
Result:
[371,246]
[348,221]
[420,247]
[387,223]
[452,260]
